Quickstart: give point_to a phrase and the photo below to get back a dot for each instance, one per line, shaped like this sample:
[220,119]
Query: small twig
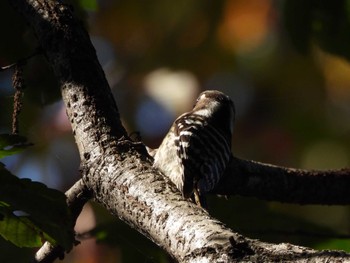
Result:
[8,66]
[22,61]
[77,196]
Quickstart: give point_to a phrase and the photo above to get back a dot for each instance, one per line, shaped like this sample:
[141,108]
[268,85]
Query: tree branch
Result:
[77,196]
[119,172]
[275,183]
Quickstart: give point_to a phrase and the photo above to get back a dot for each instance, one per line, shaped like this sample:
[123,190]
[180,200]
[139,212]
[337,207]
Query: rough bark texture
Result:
[119,173]
[274,183]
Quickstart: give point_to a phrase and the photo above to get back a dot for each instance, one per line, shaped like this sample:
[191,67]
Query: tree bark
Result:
[289,185]
[118,171]
[77,196]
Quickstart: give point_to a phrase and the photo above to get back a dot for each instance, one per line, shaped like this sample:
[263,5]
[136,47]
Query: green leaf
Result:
[12,144]
[18,230]
[46,208]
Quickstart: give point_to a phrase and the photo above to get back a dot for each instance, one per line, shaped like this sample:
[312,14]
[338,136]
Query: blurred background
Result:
[284,63]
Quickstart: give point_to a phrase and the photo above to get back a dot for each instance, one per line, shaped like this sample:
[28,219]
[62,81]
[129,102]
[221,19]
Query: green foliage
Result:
[12,144]
[18,229]
[286,116]
[48,216]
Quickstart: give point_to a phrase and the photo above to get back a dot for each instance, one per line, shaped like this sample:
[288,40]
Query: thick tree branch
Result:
[119,172]
[275,183]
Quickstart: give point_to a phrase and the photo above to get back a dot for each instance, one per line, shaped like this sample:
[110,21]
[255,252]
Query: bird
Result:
[197,149]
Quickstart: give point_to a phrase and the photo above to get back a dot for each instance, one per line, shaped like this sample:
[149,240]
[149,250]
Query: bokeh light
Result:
[292,107]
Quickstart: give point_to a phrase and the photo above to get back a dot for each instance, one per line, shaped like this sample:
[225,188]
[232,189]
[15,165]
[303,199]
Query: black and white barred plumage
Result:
[197,149]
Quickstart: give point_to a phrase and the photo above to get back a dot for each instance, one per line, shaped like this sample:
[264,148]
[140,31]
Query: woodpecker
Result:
[196,150]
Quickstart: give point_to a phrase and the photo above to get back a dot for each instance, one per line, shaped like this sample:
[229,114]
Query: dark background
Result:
[284,63]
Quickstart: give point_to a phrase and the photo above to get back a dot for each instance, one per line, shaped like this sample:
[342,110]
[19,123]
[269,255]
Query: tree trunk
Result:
[118,171]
